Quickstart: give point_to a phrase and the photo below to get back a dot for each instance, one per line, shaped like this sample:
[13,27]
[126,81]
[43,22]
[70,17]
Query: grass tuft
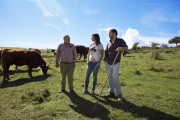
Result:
[155,54]
[153,68]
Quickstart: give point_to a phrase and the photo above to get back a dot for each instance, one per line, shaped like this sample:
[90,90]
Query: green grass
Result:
[150,88]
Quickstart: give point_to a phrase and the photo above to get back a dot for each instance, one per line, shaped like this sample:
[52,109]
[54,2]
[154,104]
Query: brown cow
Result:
[54,51]
[82,50]
[0,58]
[22,57]
[36,50]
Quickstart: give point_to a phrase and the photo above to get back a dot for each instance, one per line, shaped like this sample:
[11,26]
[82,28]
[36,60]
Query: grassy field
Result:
[150,88]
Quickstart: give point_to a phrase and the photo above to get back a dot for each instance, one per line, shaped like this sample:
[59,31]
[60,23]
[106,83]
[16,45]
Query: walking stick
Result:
[105,83]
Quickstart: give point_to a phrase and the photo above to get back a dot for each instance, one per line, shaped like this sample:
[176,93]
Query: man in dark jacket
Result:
[114,46]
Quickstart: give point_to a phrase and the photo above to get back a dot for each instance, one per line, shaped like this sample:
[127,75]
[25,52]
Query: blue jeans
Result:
[91,67]
[114,78]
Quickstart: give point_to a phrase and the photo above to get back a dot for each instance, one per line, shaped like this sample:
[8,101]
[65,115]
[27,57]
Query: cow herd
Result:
[31,58]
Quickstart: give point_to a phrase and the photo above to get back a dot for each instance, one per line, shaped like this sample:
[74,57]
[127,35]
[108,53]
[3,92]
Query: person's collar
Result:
[113,41]
[67,44]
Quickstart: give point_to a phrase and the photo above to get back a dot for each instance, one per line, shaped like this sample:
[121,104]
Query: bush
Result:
[155,54]
[154,45]
[145,47]
[135,46]
[164,46]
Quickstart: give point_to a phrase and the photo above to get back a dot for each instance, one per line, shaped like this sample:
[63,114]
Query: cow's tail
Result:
[2,60]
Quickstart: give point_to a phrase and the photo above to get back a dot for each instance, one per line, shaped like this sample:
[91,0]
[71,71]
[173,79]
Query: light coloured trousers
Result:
[67,69]
[114,78]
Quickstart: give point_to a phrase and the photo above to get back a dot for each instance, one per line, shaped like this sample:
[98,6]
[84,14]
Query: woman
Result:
[95,55]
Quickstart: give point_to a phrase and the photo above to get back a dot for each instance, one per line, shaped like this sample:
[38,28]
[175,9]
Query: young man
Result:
[114,46]
[66,52]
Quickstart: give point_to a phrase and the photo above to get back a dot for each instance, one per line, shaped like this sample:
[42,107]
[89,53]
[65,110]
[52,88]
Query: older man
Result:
[114,46]
[67,54]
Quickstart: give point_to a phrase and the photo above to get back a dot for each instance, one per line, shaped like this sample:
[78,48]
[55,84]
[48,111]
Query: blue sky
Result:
[43,23]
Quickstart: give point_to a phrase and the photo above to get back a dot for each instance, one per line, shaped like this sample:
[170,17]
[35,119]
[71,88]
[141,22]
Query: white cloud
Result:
[160,40]
[166,34]
[179,31]
[88,11]
[49,8]
[66,21]
[163,14]
[47,24]
[30,0]
[132,35]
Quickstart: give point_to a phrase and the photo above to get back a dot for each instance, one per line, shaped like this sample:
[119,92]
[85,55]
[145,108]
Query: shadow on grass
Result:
[22,81]
[138,112]
[12,72]
[130,56]
[85,107]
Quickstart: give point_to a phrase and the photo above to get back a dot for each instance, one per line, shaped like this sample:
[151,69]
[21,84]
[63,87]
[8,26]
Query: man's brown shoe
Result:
[109,95]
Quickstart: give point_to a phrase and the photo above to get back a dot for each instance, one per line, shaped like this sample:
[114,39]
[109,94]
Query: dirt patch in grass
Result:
[37,96]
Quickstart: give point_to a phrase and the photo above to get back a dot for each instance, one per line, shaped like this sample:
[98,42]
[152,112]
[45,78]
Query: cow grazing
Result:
[82,50]
[0,58]
[54,51]
[22,57]
[36,50]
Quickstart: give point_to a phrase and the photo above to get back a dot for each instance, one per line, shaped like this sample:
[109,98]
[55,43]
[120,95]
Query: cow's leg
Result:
[85,56]
[30,72]
[5,72]
[80,56]
[8,72]
[16,67]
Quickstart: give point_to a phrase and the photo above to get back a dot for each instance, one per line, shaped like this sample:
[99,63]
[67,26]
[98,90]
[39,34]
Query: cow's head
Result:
[45,68]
